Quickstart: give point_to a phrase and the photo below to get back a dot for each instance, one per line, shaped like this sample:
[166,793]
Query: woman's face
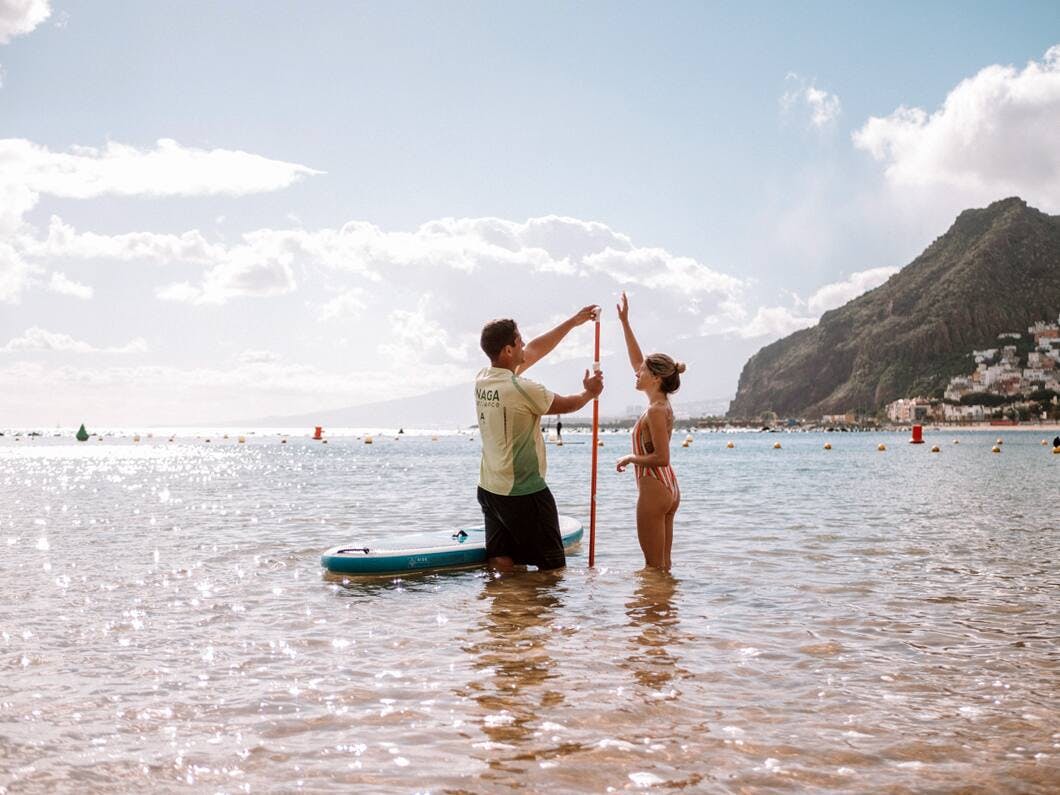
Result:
[646,379]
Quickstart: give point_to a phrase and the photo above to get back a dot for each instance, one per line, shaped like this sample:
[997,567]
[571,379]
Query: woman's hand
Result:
[623,462]
[623,309]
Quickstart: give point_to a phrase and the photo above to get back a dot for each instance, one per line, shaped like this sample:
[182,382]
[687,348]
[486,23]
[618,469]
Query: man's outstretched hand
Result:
[594,384]
[585,314]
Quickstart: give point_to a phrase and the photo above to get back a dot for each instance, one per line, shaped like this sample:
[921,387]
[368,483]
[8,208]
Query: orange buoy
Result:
[995,449]
[827,445]
[881,447]
[935,449]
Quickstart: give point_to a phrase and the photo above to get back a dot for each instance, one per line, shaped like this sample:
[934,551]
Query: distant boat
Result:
[82,434]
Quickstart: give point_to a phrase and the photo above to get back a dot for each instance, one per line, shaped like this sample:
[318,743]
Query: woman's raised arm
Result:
[636,358]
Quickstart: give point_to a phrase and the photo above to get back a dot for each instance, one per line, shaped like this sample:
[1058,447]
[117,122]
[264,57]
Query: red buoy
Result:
[317,433]
[918,435]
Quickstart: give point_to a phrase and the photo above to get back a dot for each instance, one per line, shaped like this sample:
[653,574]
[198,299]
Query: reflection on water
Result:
[849,621]
[654,618]
[515,682]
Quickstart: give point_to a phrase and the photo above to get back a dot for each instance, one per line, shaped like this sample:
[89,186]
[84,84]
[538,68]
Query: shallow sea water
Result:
[836,621]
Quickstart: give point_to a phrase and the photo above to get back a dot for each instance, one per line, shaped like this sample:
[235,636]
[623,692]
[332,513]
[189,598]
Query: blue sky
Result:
[729,147]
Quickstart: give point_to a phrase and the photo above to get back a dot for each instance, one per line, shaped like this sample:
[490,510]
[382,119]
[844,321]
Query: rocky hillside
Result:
[997,269]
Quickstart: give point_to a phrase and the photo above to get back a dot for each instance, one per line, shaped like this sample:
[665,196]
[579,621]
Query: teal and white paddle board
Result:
[465,547]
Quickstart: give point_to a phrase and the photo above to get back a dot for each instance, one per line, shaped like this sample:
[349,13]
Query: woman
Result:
[659,497]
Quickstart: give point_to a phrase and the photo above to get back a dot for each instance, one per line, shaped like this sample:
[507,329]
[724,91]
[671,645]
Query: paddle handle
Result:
[596,448]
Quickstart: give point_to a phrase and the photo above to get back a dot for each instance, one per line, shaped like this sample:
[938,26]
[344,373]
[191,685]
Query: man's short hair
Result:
[496,334]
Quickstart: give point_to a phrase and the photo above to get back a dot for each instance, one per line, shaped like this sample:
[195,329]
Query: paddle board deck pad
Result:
[465,547]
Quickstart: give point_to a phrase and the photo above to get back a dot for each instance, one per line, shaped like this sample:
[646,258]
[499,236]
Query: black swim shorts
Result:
[524,528]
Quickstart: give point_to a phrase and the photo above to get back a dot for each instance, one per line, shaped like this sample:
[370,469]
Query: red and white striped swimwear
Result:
[664,475]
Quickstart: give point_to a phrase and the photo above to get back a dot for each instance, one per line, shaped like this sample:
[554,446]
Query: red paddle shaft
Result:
[596,447]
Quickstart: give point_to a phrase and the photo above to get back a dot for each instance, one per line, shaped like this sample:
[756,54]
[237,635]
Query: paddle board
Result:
[465,547]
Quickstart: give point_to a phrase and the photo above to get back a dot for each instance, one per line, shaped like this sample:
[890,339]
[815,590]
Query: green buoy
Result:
[82,435]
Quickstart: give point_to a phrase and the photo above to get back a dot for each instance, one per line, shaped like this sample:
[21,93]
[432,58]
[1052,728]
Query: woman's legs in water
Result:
[653,502]
[670,528]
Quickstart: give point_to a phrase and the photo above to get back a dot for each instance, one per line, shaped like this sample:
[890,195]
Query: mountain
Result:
[995,270]
[449,408]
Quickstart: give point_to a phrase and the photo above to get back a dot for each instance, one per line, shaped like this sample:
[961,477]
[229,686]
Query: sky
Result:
[243,209]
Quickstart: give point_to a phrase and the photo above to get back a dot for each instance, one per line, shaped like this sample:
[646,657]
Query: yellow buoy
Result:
[731,445]
[242,439]
[689,438]
[686,443]
[136,438]
[935,449]
[995,449]
[999,441]
[367,439]
[827,445]
[881,447]
[776,445]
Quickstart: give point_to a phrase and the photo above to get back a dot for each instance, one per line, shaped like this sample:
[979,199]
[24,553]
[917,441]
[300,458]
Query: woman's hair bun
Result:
[680,366]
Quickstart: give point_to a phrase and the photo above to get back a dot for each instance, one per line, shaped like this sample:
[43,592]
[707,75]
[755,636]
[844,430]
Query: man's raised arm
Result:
[539,347]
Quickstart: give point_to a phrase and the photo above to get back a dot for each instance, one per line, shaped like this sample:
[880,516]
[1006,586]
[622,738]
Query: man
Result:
[522,524]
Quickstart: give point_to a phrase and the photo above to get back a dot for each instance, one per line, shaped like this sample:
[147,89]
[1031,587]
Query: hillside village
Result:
[1017,380]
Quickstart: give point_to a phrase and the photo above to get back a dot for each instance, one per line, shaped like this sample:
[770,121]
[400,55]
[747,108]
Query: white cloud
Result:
[347,304]
[38,339]
[15,273]
[415,336]
[773,321]
[29,170]
[822,108]
[564,248]
[995,135]
[838,293]
[18,17]
[61,284]
[250,356]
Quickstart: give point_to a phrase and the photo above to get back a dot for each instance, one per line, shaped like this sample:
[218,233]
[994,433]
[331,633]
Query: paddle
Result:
[596,447]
